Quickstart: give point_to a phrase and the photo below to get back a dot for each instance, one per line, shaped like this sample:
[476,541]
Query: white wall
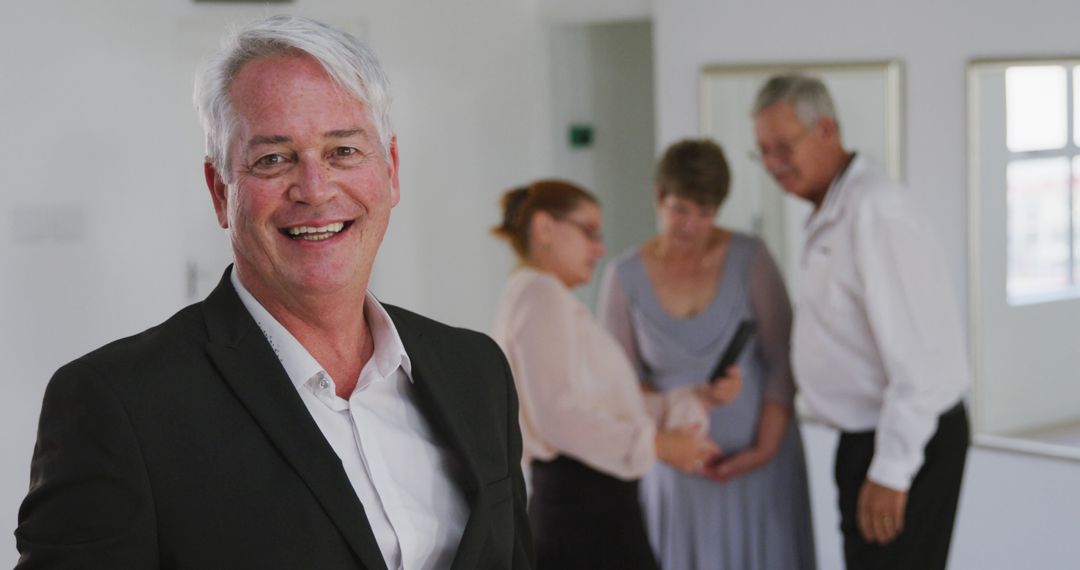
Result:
[602,75]
[98,130]
[1008,499]
[596,11]
[88,126]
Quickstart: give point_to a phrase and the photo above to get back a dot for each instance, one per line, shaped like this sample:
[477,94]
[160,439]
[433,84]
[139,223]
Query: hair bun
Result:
[556,198]
[512,205]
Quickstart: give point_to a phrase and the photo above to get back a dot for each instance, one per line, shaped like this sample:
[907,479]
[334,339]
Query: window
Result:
[1024,270]
[1042,178]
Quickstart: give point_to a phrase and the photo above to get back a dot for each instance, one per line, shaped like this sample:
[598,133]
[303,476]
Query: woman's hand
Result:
[727,468]
[772,425]
[686,449]
[722,390]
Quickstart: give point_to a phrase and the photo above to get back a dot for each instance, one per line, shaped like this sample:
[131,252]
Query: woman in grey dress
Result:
[674,304]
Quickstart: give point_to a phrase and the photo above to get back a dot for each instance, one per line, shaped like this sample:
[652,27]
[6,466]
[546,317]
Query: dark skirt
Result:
[584,519]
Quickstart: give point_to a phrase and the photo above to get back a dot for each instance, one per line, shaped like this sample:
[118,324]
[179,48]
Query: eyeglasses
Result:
[782,151]
[591,233]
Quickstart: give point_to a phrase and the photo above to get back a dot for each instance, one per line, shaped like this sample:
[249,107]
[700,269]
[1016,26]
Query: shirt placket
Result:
[375,460]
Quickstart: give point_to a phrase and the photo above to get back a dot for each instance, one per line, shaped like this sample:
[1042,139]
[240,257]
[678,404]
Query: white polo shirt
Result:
[390,455]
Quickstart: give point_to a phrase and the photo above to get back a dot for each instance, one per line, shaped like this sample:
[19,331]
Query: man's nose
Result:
[314,183]
[772,161]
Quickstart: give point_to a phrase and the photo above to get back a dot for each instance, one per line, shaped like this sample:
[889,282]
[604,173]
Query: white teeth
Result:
[316,237]
[312,233]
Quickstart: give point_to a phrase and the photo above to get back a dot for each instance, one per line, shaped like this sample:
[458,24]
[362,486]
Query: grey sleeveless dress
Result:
[760,520]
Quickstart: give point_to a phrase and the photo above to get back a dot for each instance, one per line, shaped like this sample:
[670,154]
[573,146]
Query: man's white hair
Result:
[807,94]
[346,59]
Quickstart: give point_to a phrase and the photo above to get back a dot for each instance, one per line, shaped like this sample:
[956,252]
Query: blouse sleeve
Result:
[772,310]
[548,356]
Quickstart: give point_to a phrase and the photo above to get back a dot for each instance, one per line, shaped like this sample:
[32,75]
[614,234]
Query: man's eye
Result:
[270,160]
[270,165]
[345,151]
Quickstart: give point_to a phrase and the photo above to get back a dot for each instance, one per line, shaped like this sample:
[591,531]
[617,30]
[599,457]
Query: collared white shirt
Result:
[876,341]
[390,455]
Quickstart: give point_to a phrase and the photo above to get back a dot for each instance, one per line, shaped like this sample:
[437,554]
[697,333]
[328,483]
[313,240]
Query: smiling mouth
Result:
[315,233]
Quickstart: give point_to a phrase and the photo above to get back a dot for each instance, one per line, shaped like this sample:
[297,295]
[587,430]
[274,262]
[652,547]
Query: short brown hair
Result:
[695,169]
[555,197]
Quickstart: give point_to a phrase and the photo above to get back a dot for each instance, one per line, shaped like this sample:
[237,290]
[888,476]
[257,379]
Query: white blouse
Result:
[578,391]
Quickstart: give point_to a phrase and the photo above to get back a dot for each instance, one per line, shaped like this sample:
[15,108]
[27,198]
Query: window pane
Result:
[1038,226]
[1035,107]
[1076,219]
[1076,105]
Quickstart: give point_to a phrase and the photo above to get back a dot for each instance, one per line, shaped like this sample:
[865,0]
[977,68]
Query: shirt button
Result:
[324,383]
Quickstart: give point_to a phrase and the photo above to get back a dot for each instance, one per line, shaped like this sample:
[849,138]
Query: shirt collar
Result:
[834,198]
[387,356]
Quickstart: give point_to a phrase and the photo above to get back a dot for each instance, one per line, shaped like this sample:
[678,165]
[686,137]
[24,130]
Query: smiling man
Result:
[290,420]
[877,347]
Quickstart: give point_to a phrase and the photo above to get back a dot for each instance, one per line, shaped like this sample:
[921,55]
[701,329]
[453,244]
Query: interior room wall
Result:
[595,11]
[602,76]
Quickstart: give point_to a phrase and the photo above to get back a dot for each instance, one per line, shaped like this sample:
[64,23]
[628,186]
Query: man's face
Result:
[794,153]
[310,191]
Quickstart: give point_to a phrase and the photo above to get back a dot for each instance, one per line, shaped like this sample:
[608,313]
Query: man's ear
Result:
[219,192]
[829,128]
[392,164]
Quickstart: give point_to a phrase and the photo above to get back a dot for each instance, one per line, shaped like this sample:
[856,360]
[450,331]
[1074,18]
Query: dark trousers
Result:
[584,519]
[931,505]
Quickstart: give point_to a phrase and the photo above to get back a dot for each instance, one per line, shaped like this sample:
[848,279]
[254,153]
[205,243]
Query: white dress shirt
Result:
[388,451]
[877,342]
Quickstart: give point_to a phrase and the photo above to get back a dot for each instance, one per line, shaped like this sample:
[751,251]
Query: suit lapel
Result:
[248,364]
[447,405]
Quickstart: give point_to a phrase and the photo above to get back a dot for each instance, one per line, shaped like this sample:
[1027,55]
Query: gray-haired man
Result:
[877,347]
[290,420]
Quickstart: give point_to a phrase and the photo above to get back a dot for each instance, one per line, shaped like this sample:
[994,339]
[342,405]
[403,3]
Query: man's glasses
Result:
[781,151]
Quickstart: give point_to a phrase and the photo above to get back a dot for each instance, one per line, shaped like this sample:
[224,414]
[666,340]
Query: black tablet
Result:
[742,337]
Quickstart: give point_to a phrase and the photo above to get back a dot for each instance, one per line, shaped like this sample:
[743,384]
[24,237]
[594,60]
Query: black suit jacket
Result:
[187,446]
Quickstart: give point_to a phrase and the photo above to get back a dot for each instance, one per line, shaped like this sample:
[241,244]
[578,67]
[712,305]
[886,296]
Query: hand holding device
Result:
[738,343]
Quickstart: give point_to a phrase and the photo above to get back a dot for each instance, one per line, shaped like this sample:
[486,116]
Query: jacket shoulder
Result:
[435,331]
[163,345]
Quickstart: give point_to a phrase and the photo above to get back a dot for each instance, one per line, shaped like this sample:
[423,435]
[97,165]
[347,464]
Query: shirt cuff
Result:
[642,453]
[683,409]
[895,474]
